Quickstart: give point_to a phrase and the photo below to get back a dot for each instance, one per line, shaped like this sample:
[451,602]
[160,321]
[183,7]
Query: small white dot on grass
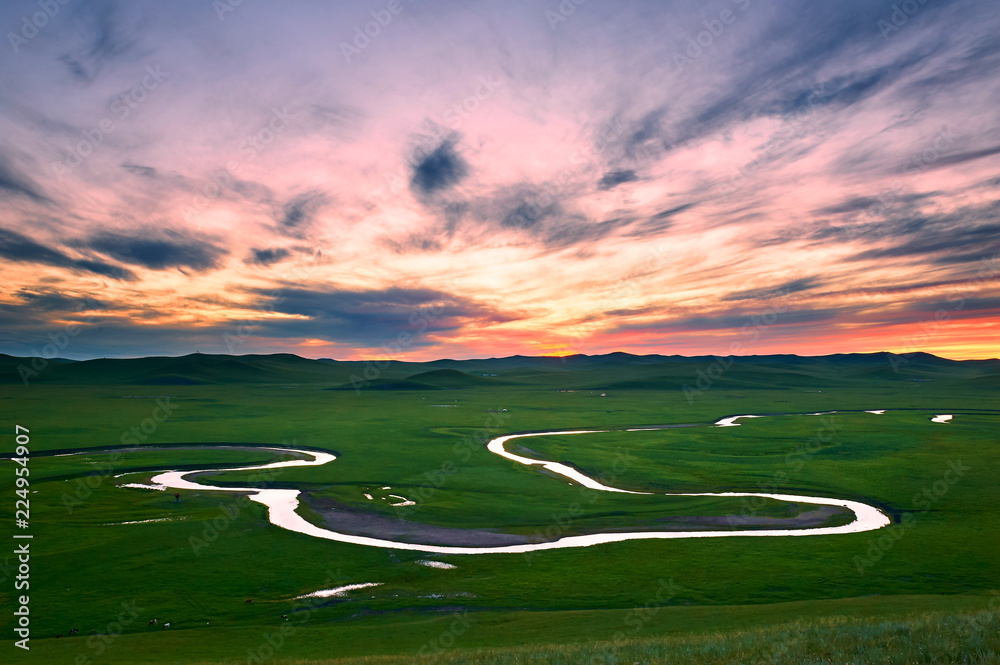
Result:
[437,564]
[338,591]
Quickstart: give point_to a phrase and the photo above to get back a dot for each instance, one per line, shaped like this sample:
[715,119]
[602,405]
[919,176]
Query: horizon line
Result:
[516,355]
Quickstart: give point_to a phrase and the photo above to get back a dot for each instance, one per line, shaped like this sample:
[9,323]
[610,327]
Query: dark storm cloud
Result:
[612,179]
[103,38]
[17,247]
[847,89]
[363,318]
[521,206]
[158,251]
[971,307]
[527,214]
[734,321]
[646,135]
[794,286]
[578,232]
[943,244]
[111,336]
[19,184]
[253,191]
[855,204]
[658,223]
[54,301]
[789,99]
[371,316]
[959,158]
[300,211]
[961,236]
[535,209]
[890,203]
[438,170]
[979,61]
[139,170]
[266,257]
[414,242]
[670,212]
[782,68]
[369,305]
[538,212]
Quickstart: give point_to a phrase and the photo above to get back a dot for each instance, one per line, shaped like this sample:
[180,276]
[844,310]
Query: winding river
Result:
[282,503]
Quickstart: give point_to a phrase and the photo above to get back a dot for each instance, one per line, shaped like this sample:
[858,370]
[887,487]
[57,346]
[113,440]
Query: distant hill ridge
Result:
[637,371]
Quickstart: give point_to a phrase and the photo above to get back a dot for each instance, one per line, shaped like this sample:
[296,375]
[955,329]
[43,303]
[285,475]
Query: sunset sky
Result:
[474,178]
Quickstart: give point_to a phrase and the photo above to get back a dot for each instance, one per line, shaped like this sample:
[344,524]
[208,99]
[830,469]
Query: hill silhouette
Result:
[619,371]
[436,379]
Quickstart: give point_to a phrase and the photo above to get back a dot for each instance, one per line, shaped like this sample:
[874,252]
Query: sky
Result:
[461,179]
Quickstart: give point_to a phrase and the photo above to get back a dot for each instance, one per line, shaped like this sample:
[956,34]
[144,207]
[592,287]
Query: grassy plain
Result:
[420,429]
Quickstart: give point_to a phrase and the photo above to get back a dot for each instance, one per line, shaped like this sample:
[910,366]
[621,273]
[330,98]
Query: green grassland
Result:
[421,429]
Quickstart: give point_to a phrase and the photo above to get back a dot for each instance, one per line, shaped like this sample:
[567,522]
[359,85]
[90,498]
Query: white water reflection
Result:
[282,504]
[731,421]
[338,591]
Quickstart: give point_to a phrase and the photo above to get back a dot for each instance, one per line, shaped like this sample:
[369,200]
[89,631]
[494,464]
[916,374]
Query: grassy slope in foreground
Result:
[928,637]
[894,629]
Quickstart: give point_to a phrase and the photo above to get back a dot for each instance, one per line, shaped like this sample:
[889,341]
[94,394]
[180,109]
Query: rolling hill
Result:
[630,372]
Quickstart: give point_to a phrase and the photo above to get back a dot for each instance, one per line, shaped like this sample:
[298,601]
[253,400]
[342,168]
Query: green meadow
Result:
[107,559]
